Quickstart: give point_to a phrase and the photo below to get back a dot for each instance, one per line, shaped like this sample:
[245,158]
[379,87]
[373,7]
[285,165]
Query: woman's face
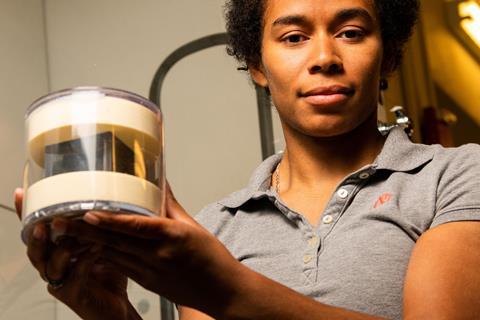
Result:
[321,61]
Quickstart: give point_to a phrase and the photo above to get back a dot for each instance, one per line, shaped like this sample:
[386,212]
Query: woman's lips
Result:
[326,99]
[328,95]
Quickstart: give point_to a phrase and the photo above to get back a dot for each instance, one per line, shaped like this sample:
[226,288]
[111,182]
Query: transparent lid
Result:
[93,90]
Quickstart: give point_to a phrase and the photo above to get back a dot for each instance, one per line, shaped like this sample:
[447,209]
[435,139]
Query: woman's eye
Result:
[294,38]
[352,34]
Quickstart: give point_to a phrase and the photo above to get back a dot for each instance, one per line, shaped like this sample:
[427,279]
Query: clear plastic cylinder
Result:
[92,148]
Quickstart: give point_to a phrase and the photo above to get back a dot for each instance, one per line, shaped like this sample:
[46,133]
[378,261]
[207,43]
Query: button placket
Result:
[336,208]
[330,215]
[309,262]
[313,242]
[307,258]
[328,219]
[342,193]
[364,175]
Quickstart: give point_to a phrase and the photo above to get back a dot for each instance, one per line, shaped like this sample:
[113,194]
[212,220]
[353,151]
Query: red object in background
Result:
[435,130]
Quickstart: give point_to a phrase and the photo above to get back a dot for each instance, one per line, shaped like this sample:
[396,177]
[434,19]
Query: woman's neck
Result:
[312,163]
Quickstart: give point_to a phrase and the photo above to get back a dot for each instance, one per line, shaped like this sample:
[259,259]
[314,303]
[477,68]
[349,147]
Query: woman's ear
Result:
[258,75]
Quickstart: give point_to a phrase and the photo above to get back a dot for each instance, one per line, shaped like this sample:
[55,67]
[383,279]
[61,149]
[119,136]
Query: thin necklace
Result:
[277,179]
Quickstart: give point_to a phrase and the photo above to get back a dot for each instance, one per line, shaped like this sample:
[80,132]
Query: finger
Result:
[127,265]
[74,245]
[37,248]
[133,225]
[175,210]
[76,279]
[18,196]
[107,275]
[137,245]
[58,262]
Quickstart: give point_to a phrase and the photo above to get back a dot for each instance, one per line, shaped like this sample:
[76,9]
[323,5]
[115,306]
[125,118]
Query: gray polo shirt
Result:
[357,256]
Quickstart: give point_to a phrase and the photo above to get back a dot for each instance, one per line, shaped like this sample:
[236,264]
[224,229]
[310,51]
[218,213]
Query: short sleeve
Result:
[458,190]
[218,220]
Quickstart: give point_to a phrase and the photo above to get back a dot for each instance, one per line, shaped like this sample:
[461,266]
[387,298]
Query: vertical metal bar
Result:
[265,121]
[167,311]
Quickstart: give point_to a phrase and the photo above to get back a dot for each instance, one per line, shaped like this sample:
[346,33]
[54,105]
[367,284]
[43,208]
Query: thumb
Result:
[174,209]
[18,196]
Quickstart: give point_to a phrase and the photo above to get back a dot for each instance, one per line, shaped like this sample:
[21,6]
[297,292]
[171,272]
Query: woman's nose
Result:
[324,58]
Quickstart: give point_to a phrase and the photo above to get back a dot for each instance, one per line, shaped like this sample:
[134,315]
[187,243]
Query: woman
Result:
[346,224]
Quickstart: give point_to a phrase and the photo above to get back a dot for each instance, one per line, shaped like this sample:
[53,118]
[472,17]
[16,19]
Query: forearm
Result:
[258,297]
[128,314]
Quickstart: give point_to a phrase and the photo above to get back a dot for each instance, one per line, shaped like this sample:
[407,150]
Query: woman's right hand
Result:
[75,272]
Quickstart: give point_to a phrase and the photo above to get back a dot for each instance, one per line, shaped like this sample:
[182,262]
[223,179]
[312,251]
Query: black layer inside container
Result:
[100,152]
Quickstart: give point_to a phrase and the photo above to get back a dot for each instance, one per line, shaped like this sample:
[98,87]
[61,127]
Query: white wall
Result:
[23,77]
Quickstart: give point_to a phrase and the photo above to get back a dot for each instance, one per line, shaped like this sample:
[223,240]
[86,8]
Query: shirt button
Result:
[307,258]
[364,176]
[342,193]
[312,242]
[327,219]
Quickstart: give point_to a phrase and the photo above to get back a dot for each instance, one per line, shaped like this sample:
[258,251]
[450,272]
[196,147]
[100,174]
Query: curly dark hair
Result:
[245,24]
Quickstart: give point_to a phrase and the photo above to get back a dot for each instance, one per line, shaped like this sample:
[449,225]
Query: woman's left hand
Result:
[75,272]
[173,256]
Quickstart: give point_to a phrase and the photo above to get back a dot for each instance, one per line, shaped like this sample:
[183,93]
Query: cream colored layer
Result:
[92,185]
[90,109]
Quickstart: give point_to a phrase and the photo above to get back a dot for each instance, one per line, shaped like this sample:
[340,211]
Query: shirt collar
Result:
[260,182]
[398,154]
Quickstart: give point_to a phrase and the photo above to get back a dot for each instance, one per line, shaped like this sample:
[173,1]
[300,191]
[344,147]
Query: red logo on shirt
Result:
[383,199]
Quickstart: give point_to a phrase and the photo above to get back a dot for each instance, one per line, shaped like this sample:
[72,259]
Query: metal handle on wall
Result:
[7,208]
[263,98]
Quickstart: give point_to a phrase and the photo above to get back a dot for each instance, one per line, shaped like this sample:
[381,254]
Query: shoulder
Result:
[468,154]
[216,216]
[401,154]
[456,164]
[441,164]
[212,216]
[458,184]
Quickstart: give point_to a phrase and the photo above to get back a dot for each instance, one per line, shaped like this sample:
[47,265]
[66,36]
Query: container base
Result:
[76,209]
